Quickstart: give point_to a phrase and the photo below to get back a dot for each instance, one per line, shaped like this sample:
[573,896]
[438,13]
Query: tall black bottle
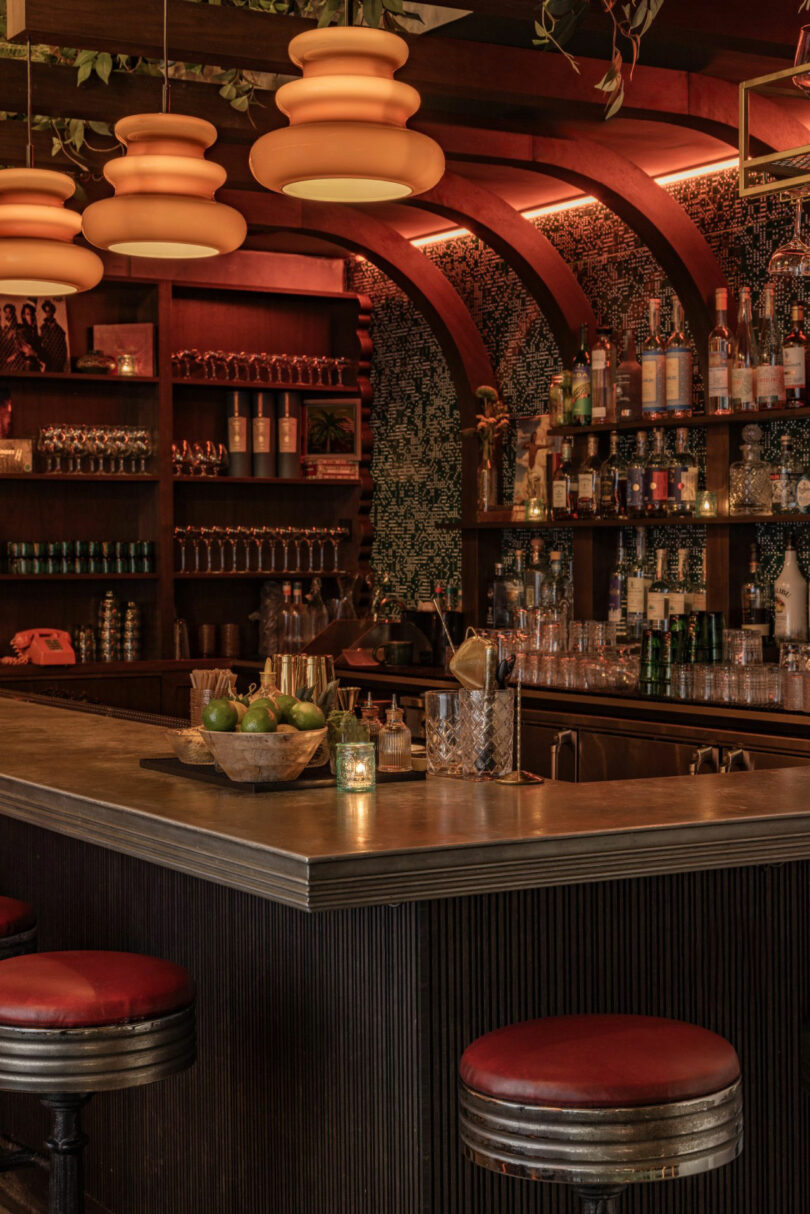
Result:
[238,405]
[264,434]
[288,421]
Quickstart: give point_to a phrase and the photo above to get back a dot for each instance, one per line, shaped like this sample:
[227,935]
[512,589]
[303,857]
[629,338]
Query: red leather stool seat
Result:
[81,989]
[15,917]
[599,1062]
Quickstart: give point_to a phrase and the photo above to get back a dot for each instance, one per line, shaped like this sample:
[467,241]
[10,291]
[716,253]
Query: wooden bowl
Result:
[263,758]
[189,746]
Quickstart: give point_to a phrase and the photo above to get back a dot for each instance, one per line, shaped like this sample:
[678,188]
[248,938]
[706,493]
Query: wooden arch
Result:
[531,255]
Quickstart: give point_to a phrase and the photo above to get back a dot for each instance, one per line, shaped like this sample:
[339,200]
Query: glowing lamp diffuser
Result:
[347,140]
[164,203]
[37,253]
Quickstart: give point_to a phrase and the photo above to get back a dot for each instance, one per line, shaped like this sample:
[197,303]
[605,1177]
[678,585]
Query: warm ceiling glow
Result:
[584,200]
[347,140]
[37,253]
[164,203]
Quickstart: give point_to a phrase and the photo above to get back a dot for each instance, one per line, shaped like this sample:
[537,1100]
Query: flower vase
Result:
[487,484]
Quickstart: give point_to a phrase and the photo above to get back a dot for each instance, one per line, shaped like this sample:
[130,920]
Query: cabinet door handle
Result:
[565,738]
[704,758]
[737,759]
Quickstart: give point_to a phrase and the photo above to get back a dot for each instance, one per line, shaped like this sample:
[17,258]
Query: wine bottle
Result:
[744,359]
[653,367]
[289,447]
[795,357]
[770,367]
[263,434]
[238,406]
[678,367]
[603,376]
[719,395]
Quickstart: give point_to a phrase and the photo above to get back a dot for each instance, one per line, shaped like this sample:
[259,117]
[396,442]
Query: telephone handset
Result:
[43,647]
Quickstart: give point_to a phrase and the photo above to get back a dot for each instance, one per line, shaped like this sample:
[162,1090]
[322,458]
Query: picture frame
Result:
[33,335]
[331,429]
[533,445]
[135,339]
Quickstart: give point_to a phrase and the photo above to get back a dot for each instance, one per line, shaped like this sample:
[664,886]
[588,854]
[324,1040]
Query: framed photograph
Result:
[533,445]
[137,340]
[331,429]
[33,334]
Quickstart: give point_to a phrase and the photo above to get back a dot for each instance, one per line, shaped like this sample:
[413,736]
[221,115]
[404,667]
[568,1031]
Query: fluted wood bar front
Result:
[329,1040]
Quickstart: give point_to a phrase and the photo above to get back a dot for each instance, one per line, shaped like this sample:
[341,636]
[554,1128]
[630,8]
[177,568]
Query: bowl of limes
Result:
[267,741]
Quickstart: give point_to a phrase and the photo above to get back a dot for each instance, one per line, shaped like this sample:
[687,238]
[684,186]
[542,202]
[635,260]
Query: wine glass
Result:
[802,56]
[792,259]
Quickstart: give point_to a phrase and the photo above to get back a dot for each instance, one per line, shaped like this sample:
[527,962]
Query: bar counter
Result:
[329,1041]
[438,838]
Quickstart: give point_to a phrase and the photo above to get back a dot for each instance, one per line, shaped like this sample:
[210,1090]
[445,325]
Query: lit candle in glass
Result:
[706,503]
[356,770]
[535,510]
[126,364]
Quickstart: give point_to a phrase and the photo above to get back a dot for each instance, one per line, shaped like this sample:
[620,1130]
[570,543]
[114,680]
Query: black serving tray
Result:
[321,777]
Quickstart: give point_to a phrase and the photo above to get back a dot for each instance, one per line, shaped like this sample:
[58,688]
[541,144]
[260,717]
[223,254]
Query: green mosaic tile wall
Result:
[416,462]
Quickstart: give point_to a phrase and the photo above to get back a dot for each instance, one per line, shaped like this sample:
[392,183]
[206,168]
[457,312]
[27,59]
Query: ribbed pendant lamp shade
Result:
[164,203]
[347,140]
[37,253]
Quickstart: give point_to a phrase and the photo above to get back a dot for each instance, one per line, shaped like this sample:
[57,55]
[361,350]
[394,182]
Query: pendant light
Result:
[164,203]
[37,253]
[347,140]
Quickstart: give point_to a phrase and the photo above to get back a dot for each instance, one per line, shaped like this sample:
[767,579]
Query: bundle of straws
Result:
[218,682]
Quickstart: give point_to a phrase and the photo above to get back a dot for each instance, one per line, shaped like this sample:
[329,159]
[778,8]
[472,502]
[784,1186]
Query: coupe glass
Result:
[791,260]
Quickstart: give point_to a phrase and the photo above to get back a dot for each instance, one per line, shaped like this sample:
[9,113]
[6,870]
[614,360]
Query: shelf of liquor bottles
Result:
[742,418]
[494,520]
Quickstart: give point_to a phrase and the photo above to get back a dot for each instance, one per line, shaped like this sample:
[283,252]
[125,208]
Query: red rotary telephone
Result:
[43,647]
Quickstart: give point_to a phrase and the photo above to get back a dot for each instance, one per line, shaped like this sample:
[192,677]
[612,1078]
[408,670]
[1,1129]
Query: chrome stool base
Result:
[15,946]
[600,1199]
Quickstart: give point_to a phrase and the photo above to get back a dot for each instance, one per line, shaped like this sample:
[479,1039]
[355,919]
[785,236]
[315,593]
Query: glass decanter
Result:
[394,741]
[750,478]
[371,717]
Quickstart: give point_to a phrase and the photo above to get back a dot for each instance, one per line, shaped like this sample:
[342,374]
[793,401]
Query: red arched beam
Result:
[656,218]
[361,232]
[530,254]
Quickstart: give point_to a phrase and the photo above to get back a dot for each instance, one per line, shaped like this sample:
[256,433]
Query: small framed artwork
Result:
[33,334]
[532,447]
[132,347]
[331,429]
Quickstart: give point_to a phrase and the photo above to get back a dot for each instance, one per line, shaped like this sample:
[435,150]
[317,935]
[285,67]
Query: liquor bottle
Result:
[300,634]
[719,395]
[744,359]
[658,593]
[394,741]
[756,609]
[536,575]
[559,589]
[770,379]
[501,615]
[263,434]
[803,492]
[656,478]
[289,452]
[603,376]
[564,485]
[638,584]
[613,482]
[286,626]
[581,382]
[588,492]
[795,357]
[628,382]
[697,586]
[653,367]
[785,479]
[516,586]
[749,480]
[680,598]
[678,367]
[683,477]
[318,611]
[790,599]
[637,477]
[617,591]
[238,406]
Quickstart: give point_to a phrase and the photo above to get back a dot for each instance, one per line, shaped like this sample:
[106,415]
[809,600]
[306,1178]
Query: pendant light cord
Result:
[29,143]
[165,56]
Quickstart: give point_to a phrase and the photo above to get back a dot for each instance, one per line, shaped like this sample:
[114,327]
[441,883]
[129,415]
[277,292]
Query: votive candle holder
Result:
[356,769]
[706,504]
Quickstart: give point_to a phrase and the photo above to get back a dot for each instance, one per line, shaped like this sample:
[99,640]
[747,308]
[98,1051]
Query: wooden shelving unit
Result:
[58,506]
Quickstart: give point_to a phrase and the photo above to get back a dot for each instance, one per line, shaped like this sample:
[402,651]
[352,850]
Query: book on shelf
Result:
[329,468]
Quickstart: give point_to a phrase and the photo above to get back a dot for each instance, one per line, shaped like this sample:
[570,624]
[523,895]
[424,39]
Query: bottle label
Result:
[795,369]
[803,494]
[699,600]
[653,381]
[742,385]
[261,435]
[288,435]
[559,495]
[770,383]
[637,588]
[657,484]
[237,434]
[679,380]
[684,485]
[598,360]
[677,603]
[635,488]
[581,392]
[657,605]
[585,487]
[718,374]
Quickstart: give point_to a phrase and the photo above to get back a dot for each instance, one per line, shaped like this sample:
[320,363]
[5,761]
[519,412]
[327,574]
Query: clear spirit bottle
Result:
[749,489]
[658,594]
[638,584]
[683,477]
[770,368]
[719,395]
[656,481]
[637,478]
[653,367]
[755,598]
[744,359]
[785,479]
[613,482]
[588,492]
[617,591]
[603,376]
[678,367]
[394,741]
[564,486]
[536,575]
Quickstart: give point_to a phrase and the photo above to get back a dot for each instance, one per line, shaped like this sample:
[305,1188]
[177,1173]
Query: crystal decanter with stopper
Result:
[750,478]
[394,741]
[371,716]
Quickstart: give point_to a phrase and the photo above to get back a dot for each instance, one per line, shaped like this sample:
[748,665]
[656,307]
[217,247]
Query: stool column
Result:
[66,1149]
[599,1199]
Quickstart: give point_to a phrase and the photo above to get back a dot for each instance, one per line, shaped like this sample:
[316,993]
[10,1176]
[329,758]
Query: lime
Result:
[220,716]
[258,720]
[307,716]
[286,704]
[270,704]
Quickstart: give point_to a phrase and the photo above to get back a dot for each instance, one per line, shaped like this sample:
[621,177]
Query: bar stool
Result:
[75,1023]
[600,1102]
[18,929]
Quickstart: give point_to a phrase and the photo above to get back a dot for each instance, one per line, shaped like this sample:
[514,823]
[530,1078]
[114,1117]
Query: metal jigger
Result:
[518,777]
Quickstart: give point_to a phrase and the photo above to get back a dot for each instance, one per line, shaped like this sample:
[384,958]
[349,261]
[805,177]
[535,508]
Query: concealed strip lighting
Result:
[583,200]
